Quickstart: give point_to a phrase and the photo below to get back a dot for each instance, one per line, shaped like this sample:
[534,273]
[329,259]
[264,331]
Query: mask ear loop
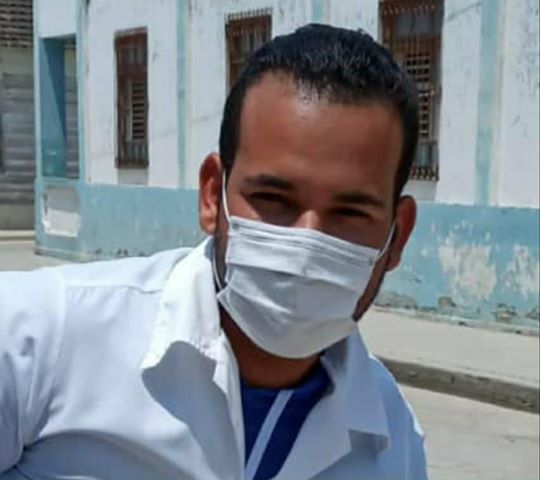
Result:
[218,281]
[389,239]
[224,197]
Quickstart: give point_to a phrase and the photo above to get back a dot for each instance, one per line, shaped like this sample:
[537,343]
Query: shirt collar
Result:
[190,293]
[188,310]
[351,369]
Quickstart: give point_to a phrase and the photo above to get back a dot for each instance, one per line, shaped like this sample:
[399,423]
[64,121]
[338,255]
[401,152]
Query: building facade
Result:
[17,152]
[16,116]
[152,77]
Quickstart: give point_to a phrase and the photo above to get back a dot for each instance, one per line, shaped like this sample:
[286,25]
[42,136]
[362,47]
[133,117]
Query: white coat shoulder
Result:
[406,434]
[38,309]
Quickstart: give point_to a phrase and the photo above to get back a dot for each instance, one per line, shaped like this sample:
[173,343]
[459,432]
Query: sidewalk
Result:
[17,252]
[16,235]
[495,367]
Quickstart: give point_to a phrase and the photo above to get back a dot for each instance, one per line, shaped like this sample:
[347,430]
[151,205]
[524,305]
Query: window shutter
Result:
[16,23]
[132,104]
[245,33]
[412,32]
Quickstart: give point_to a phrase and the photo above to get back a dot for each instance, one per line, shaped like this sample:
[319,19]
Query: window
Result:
[16,31]
[132,99]
[245,33]
[411,29]
[16,23]
[2,168]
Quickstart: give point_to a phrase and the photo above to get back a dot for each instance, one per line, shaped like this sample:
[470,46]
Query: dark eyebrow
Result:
[360,198]
[265,180]
[354,196]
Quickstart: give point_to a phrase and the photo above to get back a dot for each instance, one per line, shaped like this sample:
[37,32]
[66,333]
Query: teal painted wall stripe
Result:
[488,91]
[37,121]
[473,262]
[37,118]
[181,67]
[164,218]
[37,90]
[318,8]
[81,86]
[476,262]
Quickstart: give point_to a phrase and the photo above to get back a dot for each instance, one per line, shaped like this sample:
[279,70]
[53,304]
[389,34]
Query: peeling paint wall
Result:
[517,183]
[460,70]
[490,107]
[473,262]
[166,218]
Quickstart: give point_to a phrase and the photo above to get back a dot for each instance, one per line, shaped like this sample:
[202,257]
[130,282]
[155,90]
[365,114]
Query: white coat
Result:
[120,371]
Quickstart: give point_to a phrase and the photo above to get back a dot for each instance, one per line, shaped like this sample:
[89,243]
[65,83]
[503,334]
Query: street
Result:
[466,440]
[19,255]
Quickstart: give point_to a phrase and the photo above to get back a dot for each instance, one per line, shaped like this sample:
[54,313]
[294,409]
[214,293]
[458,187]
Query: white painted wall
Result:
[104,18]
[517,183]
[516,173]
[56,18]
[207,72]
[355,14]
[458,115]
[515,161]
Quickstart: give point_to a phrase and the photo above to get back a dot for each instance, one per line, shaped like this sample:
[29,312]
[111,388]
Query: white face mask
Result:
[292,291]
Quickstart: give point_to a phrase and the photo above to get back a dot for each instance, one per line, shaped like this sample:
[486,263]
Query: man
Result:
[240,359]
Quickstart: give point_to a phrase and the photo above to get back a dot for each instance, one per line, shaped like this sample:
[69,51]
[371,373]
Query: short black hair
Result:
[343,66]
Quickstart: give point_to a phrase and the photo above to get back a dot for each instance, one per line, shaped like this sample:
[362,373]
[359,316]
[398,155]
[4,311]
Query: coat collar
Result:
[189,313]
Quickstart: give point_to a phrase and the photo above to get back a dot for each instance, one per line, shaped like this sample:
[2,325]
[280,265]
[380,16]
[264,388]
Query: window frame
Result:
[430,93]
[127,73]
[2,160]
[238,24]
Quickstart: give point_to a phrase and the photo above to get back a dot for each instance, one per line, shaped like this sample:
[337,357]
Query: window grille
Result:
[132,99]
[245,33]
[411,29]
[16,23]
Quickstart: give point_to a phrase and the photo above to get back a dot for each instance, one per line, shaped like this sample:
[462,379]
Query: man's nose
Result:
[309,219]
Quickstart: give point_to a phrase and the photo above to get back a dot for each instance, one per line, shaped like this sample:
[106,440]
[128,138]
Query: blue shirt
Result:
[256,405]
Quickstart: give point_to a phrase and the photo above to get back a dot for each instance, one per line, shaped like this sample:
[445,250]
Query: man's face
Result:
[305,162]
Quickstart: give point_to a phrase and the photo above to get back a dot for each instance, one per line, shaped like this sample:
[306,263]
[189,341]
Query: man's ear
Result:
[210,178]
[405,221]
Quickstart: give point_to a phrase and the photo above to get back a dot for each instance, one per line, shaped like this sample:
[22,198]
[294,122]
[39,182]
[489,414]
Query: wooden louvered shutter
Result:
[16,23]
[132,104]
[245,33]
[412,32]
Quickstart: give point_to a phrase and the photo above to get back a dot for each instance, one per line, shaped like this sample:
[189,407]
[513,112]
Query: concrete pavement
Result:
[19,255]
[492,366]
[16,235]
[469,440]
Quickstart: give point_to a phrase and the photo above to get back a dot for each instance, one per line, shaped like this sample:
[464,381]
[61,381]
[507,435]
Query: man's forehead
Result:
[284,130]
[275,113]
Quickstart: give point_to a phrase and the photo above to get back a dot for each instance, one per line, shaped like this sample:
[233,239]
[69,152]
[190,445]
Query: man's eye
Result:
[351,212]
[269,197]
